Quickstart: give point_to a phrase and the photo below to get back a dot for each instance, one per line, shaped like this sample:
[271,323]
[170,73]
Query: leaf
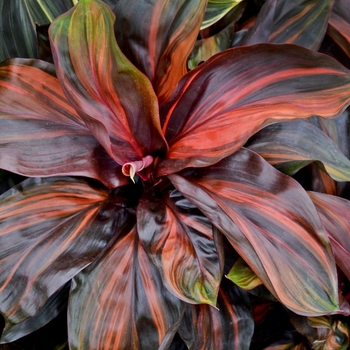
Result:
[17,24]
[205,48]
[272,224]
[235,93]
[40,133]
[163,34]
[339,25]
[217,9]
[182,244]
[290,146]
[56,304]
[113,98]
[119,302]
[300,22]
[50,230]
[230,327]
[335,216]
[243,276]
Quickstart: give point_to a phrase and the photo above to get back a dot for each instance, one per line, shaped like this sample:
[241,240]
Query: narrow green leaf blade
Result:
[271,222]
[290,146]
[180,241]
[119,302]
[114,99]
[230,97]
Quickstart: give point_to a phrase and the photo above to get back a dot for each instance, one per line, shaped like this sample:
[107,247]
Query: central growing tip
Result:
[132,168]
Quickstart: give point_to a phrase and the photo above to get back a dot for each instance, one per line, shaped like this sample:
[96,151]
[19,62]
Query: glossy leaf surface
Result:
[205,48]
[50,229]
[229,327]
[113,98]
[273,225]
[217,9]
[300,22]
[290,146]
[40,133]
[180,241]
[258,85]
[242,275]
[335,216]
[56,304]
[157,36]
[119,302]
[17,24]
[339,25]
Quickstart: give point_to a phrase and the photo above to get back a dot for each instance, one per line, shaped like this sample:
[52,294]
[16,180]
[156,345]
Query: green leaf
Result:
[50,229]
[17,24]
[220,104]
[114,99]
[242,275]
[119,302]
[290,146]
[180,241]
[272,223]
[157,36]
[217,9]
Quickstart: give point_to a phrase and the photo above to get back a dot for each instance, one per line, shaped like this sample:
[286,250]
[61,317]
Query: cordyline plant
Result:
[139,180]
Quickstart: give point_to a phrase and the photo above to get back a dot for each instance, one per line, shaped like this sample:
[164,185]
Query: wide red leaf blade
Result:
[180,241]
[50,229]
[119,302]
[300,22]
[290,146]
[115,100]
[228,327]
[158,36]
[41,134]
[339,25]
[219,105]
[335,216]
[271,222]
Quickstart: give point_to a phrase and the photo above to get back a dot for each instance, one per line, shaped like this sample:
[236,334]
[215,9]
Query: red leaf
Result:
[50,230]
[119,302]
[219,105]
[180,241]
[163,33]
[335,216]
[114,99]
[271,222]
[41,134]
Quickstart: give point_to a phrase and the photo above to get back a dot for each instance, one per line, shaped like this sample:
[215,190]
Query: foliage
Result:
[152,197]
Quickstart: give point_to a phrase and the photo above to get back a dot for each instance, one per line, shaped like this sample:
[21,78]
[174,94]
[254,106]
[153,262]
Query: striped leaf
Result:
[228,327]
[182,244]
[17,24]
[339,25]
[300,22]
[290,146]
[49,230]
[40,132]
[335,216]
[272,223]
[235,93]
[217,9]
[113,98]
[163,33]
[119,302]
